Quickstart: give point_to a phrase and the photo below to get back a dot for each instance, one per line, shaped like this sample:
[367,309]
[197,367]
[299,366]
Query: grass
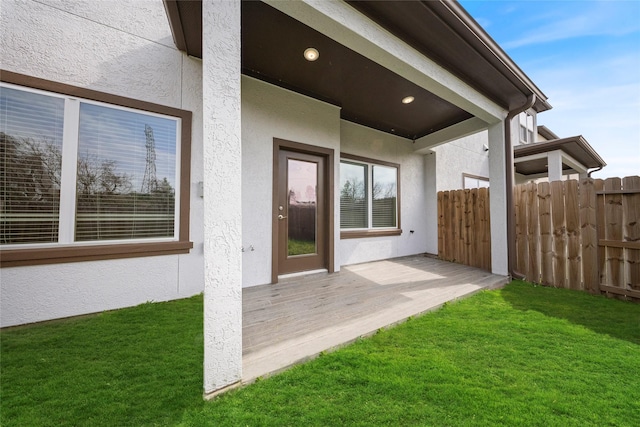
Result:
[301,247]
[522,355]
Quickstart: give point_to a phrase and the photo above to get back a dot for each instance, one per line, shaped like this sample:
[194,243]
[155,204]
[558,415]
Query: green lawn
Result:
[522,355]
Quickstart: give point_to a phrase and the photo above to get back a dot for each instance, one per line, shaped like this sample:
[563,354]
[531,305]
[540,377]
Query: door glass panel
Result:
[302,181]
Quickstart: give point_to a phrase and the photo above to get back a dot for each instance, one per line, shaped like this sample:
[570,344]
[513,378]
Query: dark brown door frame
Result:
[329,195]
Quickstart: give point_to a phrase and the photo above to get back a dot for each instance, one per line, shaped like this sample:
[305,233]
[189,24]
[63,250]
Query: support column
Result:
[431,198]
[222,194]
[554,165]
[498,200]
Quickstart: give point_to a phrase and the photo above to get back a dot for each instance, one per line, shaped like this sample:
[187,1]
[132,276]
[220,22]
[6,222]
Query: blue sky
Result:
[585,56]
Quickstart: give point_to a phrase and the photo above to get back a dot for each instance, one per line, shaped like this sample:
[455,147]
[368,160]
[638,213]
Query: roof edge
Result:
[175,23]
[494,48]
[558,144]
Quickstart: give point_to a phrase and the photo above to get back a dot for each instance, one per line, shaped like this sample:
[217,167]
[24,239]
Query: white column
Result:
[498,200]
[554,165]
[222,194]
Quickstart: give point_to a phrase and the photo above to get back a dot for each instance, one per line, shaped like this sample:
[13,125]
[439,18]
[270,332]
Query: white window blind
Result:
[353,195]
[383,209]
[126,175]
[368,195]
[31,126]
[119,184]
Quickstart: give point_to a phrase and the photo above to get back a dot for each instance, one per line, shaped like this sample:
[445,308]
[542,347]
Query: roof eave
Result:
[494,49]
[558,144]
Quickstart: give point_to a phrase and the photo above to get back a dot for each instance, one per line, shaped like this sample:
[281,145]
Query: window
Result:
[473,181]
[369,197]
[527,125]
[78,171]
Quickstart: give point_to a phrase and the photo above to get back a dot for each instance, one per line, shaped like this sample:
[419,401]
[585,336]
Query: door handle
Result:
[281,217]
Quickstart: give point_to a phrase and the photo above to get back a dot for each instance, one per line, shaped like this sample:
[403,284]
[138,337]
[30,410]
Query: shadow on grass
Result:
[618,319]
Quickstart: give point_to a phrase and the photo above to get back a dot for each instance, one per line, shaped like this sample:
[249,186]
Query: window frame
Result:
[370,231]
[477,178]
[91,251]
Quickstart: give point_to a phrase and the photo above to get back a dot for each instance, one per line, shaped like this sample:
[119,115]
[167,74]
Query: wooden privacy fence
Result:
[578,235]
[464,229]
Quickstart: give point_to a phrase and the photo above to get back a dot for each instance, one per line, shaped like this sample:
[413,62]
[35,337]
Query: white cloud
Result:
[577,19]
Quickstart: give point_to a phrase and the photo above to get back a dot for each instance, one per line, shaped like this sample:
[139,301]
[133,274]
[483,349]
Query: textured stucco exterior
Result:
[126,50]
[465,155]
[362,141]
[270,112]
[222,156]
[129,51]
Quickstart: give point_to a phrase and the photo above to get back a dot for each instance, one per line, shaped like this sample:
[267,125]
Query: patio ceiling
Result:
[369,94]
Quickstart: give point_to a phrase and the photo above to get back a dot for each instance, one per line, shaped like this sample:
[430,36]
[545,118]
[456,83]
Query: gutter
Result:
[497,52]
[511,223]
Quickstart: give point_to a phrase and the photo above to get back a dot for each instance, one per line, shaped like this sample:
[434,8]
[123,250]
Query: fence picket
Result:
[580,235]
[613,231]
[559,233]
[572,217]
[598,185]
[440,225]
[533,230]
[522,241]
[589,236]
[485,226]
[546,238]
[631,211]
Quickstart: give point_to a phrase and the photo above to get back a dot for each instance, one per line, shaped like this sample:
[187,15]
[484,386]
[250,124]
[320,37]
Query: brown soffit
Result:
[444,31]
[367,92]
[575,146]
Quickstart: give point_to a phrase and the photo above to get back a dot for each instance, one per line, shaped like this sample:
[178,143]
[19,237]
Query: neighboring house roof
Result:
[367,92]
[547,133]
[576,147]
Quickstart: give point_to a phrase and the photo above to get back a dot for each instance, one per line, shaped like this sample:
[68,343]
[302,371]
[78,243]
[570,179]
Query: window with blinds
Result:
[368,195]
[354,207]
[31,128]
[76,170]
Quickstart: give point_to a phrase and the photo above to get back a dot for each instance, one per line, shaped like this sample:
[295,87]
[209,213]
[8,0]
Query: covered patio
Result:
[297,318]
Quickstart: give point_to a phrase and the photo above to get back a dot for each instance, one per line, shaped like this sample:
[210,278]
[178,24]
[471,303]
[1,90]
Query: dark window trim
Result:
[478,177]
[79,252]
[358,234]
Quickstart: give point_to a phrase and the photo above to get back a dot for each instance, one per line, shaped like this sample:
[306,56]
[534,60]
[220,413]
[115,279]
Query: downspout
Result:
[595,170]
[511,223]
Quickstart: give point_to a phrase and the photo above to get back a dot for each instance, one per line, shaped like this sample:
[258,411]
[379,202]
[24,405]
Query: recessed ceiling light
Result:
[408,99]
[311,54]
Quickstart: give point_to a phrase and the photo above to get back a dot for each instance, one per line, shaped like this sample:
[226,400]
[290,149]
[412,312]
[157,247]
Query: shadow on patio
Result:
[296,319]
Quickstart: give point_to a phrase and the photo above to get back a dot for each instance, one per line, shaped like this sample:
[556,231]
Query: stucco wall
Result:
[125,50]
[270,112]
[363,141]
[464,155]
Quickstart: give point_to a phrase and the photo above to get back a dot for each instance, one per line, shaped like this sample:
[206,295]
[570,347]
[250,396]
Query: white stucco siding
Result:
[32,294]
[465,155]
[362,141]
[123,50]
[47,42]
[271,112]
